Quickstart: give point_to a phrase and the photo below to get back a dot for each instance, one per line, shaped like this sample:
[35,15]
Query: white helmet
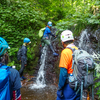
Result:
[66,36]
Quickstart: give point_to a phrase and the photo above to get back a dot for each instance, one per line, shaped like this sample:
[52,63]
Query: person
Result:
[64,91]
[14,77]
[26,42]
[45,38]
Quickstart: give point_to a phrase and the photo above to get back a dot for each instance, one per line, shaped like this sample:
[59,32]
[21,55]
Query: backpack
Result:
[83,71]
[19,54]
[4,83]
[41,31]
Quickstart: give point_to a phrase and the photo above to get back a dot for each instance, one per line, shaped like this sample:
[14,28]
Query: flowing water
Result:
[47,93]
[84,41]
[40,81]
[39,90]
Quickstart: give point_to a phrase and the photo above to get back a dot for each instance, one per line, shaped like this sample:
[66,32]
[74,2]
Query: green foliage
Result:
[11,63]
[17,21]
[97,84]
[80,15]
[97,67]
[24,18]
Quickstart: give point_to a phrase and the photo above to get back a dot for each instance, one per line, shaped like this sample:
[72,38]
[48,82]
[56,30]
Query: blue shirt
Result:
[47,32]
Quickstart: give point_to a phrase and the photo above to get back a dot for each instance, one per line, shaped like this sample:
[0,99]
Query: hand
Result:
[60,92]
[59,89]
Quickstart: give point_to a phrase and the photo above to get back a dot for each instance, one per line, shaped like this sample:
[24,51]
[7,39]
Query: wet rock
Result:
[91,40]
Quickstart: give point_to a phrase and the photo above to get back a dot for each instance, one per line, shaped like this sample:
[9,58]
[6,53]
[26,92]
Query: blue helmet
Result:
[49,23]
[26,40]
[3,46]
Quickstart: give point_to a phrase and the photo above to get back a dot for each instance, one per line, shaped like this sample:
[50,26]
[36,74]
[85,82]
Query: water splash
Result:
[40,81]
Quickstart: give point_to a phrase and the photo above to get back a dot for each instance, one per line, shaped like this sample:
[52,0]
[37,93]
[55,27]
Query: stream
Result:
[47,93]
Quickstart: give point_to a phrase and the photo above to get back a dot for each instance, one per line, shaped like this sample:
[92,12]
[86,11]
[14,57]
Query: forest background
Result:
[24,18]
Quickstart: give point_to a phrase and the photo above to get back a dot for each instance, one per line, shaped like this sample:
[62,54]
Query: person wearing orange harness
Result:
[64,91]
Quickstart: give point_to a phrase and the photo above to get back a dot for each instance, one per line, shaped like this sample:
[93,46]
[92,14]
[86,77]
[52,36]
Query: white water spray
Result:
[40,81]
[84,40]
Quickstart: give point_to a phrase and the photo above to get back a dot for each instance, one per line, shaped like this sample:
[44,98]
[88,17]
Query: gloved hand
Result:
[60,93]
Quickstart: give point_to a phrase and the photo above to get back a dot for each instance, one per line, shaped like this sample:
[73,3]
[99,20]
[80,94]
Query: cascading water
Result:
[84,41]
[97,32]
[40,81]
[88,41]
[40,90]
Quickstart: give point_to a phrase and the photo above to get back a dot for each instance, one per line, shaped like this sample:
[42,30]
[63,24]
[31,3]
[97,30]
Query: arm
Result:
[64,63]
[62,77]
[16,95]
[52,34]
[24,54]
[49,32]
[16,85]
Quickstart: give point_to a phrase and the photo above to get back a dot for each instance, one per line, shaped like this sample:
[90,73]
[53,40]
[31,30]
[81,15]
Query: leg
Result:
[22,68]
[47,41]
[68,94]
[51,47]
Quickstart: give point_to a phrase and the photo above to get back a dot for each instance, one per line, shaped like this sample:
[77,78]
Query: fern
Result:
[96,57]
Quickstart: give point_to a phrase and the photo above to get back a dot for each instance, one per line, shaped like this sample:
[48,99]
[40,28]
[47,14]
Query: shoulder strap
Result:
[73,49]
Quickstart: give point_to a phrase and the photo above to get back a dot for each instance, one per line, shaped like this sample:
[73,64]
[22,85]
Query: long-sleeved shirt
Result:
[24,54]
[47,32]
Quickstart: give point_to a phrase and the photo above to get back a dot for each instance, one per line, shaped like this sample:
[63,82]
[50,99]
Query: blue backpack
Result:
[4,82]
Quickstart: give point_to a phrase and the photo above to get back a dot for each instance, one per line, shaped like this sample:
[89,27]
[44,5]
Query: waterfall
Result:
[84,42]
[40,81]
[97,32]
